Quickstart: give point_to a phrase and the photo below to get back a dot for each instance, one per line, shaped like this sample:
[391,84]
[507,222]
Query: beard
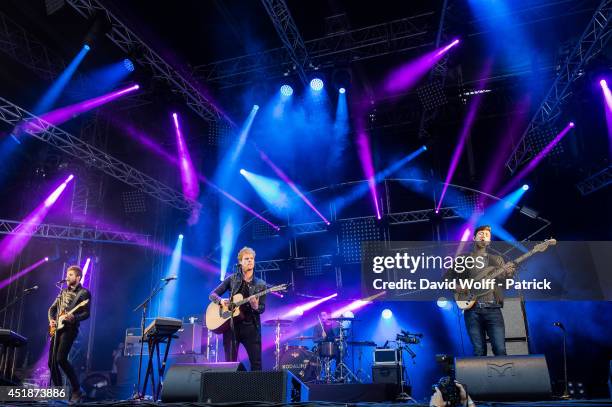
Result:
[481,244]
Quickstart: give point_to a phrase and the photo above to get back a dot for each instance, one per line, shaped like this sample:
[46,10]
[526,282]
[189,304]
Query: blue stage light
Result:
[255,107]
[286,90]
[525,187]
[86,47]
[242,171]
[128,64]
[316,84]
[342,90]
[181,236]
[386,314]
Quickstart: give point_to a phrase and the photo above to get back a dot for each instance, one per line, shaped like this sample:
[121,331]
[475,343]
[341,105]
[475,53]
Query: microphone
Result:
[27,290]
[385,345]
[169,278]
[60,282]
[559,325]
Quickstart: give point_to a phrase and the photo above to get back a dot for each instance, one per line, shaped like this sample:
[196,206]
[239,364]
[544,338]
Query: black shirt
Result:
[247,312]
[67,299]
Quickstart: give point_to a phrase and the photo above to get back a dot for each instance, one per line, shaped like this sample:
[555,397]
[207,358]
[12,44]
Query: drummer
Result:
[325,329]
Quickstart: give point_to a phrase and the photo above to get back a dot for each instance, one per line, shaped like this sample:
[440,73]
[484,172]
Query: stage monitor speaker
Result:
[515,378]
[182,382]
[232,387]
[386,374]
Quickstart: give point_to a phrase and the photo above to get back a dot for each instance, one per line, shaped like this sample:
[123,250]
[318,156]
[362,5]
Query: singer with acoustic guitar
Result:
[246,325]
[65,314]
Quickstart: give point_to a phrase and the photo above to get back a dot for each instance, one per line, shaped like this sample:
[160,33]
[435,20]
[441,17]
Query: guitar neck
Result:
[256,295]
[518,260]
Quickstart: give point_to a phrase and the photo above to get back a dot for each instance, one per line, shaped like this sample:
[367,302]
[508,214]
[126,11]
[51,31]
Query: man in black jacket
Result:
[63,339]
[247,328]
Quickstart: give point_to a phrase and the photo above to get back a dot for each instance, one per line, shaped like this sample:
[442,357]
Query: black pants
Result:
[482,322]
[249,336]
[65,338]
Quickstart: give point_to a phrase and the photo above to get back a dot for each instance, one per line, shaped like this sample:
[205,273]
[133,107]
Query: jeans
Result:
[249,336]
[481,322]
[65,338]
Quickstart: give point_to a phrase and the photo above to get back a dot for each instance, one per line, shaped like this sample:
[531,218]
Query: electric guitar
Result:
[218,316]
[62,317]
[466,300]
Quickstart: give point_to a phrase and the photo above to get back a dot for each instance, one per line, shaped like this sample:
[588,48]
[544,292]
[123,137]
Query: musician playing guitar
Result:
[485,317]
[247,327]
[62,339]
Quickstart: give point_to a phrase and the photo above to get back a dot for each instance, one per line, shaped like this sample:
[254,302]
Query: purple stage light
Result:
[466,235]
[608,98]
[189,177]
[13,244]
[291,184]
[300,309]
[85,270]
[406,76]
[465,133]
[535,161]
[8,281]
[62,115]
[365,156]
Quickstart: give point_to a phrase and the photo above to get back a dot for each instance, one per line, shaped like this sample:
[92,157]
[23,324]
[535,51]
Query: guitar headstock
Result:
[280,287]
[540,247]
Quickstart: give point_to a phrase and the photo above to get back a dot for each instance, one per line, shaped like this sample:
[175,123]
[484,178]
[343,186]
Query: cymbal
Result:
[303,338]
[361,343]
[343,319]
[281,322]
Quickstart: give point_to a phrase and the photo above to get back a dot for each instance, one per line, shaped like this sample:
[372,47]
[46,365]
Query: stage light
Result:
[8,281]
[525,187]
[571,124]
[316,84]
[86,47]
[348,314]
[342,90]
[286,90]
[387,314]
[424,148]
[442,302]
[46,259]
[180,236]
[128,65]
[255,107]
[603,83]
[242,171]
[466,235]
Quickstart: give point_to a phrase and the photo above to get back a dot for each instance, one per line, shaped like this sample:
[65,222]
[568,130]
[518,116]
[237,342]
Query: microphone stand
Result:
[566,395]
[16,300]
[144,305]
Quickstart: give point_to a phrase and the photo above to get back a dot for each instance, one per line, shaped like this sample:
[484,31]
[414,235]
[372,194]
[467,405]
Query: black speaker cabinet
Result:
[386,374]
[513,378]
[231,387]
[182,382]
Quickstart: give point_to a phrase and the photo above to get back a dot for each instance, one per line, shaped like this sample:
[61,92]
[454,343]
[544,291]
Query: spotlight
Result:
[442,302]
[46,259]
[348,314]
[70,178]
[286,90]
[386,314]
[603,83]
[455,42]
[86,47]
[316,84]
[424,148]
[128,65]
[342,90]
[242,171]
[525,187]
[255,107]
[181,236]
[571,124]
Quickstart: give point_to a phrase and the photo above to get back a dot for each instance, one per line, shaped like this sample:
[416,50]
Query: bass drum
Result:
[301,362]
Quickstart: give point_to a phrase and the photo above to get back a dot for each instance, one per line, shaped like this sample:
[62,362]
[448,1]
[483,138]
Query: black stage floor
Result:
[130,403]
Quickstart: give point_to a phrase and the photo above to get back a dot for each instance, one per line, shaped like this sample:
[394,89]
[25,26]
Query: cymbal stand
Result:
[403,396]
[277,341]
[341,367]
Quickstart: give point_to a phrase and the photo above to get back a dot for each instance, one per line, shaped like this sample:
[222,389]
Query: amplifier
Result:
[189,340]
[387,374]
[385,357]
[132,343]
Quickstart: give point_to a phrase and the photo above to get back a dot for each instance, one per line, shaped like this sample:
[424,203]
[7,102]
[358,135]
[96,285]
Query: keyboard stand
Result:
[154,353]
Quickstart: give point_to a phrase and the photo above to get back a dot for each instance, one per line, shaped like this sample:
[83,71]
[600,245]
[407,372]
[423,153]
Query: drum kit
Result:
[325,362]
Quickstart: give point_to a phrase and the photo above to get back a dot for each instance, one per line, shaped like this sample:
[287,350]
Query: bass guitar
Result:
[62,317]
[466,299]
[218,315]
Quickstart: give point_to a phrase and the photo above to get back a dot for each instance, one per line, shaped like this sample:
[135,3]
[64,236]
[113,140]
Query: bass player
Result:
[246,327]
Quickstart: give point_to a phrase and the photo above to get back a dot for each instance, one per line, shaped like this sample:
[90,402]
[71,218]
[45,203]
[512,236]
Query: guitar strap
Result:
[75,300]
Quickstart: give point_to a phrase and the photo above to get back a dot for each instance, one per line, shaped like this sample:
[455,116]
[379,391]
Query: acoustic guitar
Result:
[466,299]
[62,317]
[218,316]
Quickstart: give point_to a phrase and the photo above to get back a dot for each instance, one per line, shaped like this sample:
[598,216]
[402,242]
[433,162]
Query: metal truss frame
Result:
[129,42]
[66,142]
[347,46]
[596,181]
[49,231]
[592,41]
[289,35]
[21,46]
